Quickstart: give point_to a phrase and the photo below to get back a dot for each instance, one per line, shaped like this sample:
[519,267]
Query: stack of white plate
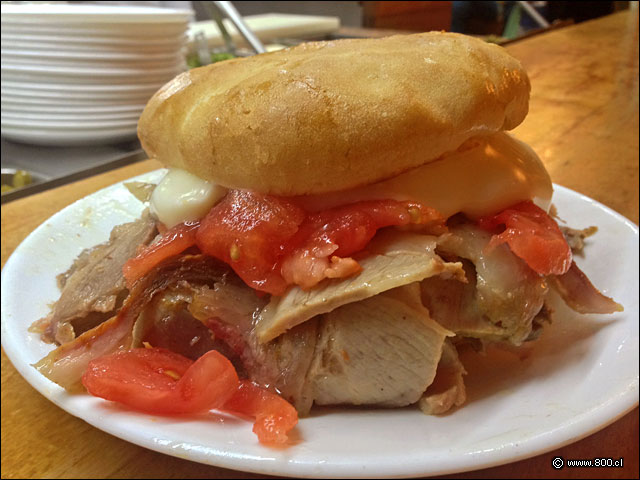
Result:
[75,74]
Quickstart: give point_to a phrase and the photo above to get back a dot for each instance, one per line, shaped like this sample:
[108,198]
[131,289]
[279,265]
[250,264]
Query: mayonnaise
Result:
[182,197]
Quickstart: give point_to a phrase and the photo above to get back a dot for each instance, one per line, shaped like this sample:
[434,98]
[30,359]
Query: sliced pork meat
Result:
[505,299]
[93,289]
[166,322]
[283,364]
[66,364]
[453,304]
[229,310]
[380,351]
[579,293]
[393,259]
[447,390]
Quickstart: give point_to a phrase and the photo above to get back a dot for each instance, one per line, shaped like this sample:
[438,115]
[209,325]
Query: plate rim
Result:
[18,13]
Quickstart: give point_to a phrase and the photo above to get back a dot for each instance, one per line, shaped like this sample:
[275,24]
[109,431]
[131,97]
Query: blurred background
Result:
[76,75]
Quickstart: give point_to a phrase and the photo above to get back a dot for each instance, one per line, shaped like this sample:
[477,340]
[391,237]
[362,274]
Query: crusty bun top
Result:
[328,116]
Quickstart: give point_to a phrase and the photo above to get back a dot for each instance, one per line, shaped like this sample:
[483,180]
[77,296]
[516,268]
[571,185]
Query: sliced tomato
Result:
[325,238]
[274,416]
[158,381]
[155,380]
[352,226]
[532,235]
[248,231]
[272,243]
[173,242]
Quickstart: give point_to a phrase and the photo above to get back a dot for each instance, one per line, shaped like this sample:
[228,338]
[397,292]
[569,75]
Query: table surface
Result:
[584,125]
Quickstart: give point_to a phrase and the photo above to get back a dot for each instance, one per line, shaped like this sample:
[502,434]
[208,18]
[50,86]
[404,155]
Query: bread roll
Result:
[328,116]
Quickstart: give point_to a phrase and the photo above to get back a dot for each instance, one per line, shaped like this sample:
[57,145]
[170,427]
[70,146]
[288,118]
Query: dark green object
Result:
[219,57]
[193,61]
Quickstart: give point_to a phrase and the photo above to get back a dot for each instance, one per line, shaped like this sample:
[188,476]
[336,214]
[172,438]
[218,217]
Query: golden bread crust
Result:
[328,116]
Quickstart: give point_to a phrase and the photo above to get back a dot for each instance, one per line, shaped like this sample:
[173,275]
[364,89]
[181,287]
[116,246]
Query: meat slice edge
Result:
[447,390]
[507,295]
[393,259]
[580,294]
[93,288]
[382,351]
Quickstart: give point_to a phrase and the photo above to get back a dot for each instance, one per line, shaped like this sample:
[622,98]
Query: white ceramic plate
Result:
[114,30]
[68,125]
[46,118]
[30,39]
[35,77]
[20,101]
[68,137]
[21,54]
[90,88]
[26,94]
[105,88]
[580,376]
[13,109]
[79,13]
[84,70]
[141,64]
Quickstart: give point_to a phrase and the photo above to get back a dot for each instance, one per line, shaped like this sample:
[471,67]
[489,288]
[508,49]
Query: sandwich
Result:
[337,219]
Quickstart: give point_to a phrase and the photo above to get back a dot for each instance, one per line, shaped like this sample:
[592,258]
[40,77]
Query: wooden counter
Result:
[584,125]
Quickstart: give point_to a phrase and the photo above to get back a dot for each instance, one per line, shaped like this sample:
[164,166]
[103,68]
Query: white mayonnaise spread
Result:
[182,197]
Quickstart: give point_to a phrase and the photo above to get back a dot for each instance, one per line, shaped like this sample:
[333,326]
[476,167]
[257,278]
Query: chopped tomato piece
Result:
[248,231]
[342,231]
[351,227]
[533,236]
[173,242]
[274,416]
[155,380]
[272,243]
[342,267]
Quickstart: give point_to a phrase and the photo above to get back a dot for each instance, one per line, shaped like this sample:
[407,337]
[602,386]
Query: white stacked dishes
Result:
[75,74]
